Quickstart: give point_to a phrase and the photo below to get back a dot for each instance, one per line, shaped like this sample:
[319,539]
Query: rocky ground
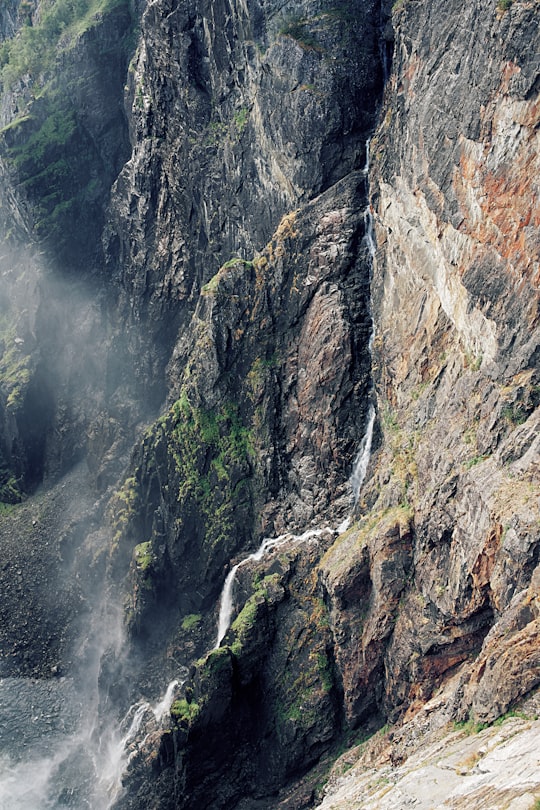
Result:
[430,763]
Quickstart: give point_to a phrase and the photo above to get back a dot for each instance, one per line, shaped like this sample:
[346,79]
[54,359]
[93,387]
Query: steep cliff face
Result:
[456,343]
[446,593]
[434,581]
[264,275]
[239,113]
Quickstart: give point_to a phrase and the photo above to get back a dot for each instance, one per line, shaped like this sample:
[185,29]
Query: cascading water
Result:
[356,480]
[84,766]
[268,544]
[365,170]
[123,743]
[362,458]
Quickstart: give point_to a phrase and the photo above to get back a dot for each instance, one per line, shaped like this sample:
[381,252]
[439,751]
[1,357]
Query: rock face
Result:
[456,343]
[253,223]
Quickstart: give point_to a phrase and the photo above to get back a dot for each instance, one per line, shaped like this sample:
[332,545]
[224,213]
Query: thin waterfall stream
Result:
[226,606]
[358,475]
[363,456]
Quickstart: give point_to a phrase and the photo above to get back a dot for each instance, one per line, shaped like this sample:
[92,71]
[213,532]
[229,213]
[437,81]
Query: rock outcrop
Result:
[254,225]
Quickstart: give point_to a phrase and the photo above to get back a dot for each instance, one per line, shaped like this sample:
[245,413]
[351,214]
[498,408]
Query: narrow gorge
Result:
[269,404]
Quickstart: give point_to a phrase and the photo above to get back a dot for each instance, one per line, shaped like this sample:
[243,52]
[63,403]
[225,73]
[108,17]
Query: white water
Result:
[226,605]
[121,747]
[53,756]
[363,456]
[362,459]
[162,708]
[369,232]
[365,170]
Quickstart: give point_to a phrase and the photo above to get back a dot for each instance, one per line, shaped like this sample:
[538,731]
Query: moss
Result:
[123,506]
[243,624]
[259,373]
[217,661]
[265,592]
[61,22]
[51,153]
[515,413]
[143,556]
[211,286]
[6,508]
[298,29]
[184,713]
[212,452]
[54,162]
[241,119]
[347,549]
[191,621]
[326,674]
[472,462]
[10,491]
[15,366]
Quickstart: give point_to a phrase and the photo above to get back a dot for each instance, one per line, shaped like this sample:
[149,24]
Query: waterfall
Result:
[268,544]
[369,235]
[123,743]
[365,170]
[226,604]
[362,458]
[117,754]
[364,452]
[162,708]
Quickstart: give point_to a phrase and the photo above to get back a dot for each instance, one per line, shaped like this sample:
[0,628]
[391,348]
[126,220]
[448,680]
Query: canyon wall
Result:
[254,222]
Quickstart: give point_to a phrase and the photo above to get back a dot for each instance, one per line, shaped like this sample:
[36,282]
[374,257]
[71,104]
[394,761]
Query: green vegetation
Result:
[122,507]
[6,508]
[389,418]
[297,28]
[241,119]
[35,48]
[10,492]
[56,130]
[54,161]
[15,364]
[212,452]
[247,618]
[341,12]
[211,286]
[259,373]
[472,462]
[143,556]
[191,621]
[326,674]
[504,5]
[184,713]
[243,623]
[508,715]
[470,726]
[515,413]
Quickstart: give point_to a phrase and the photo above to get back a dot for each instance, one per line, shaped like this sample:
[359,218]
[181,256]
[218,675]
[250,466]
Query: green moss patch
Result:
[143,556]
[34,50]
[184,713]
[213,453]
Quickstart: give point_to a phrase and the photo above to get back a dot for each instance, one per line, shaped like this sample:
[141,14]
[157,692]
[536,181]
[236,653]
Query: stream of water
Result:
[53,755]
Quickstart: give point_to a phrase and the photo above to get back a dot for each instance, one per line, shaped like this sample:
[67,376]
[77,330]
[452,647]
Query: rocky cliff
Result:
[257,235]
